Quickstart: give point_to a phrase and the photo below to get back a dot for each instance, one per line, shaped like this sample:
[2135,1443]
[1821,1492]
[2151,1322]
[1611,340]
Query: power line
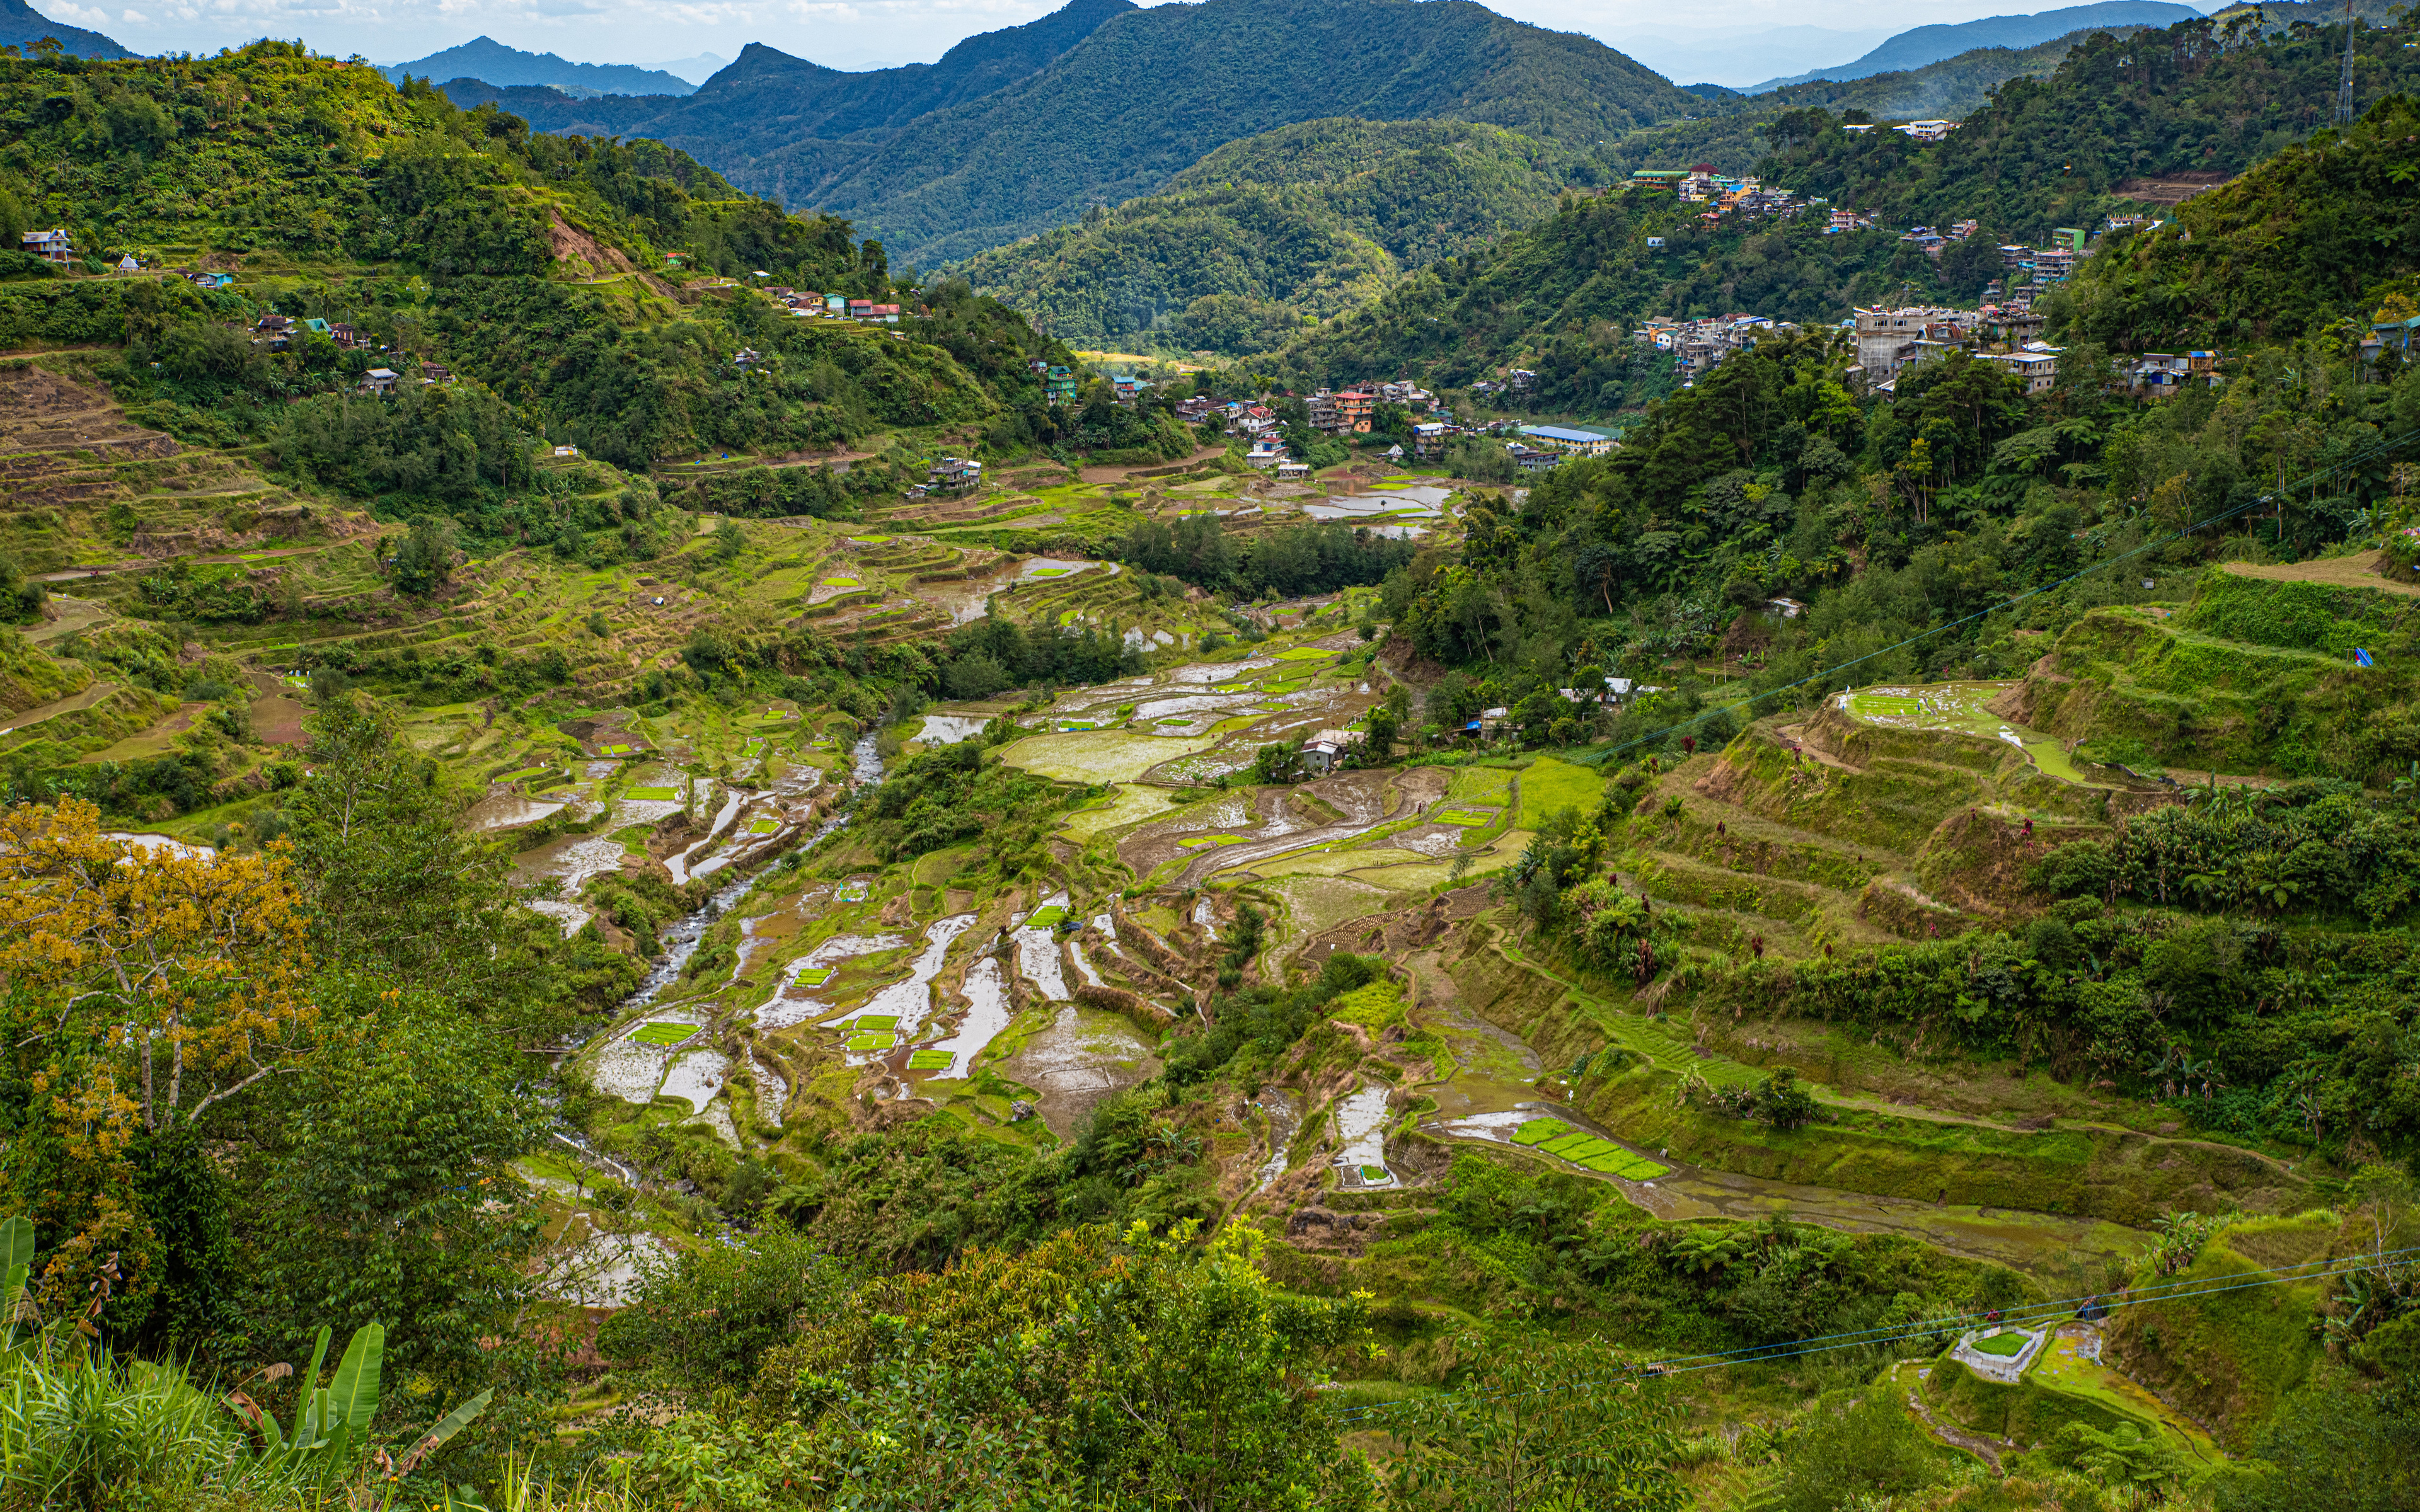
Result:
[2034,1313]
[1594,758]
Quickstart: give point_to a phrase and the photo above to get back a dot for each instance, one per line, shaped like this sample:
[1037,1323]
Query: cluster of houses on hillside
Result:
[1891,341]
[806,304]
[1698,344]
[1720,194]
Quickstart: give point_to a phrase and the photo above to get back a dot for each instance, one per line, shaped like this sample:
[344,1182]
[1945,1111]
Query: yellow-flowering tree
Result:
[144,986]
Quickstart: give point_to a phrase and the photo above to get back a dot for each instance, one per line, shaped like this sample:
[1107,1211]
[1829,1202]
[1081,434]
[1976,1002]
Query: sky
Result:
[860,34]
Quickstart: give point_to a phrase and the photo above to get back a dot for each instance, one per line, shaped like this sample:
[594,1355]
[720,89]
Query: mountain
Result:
[1736,141]
[695,69]
[1561,297]
[2312,234]
[2061,150]
[1737,59]
[1266,233]
[1931,44]
[766,100]
[1080,134]
[487,59]
[946,162]
[22,27]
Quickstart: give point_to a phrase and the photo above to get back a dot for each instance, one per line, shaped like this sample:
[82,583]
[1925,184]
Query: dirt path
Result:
[70,705]
[2359,571]
[1121,474]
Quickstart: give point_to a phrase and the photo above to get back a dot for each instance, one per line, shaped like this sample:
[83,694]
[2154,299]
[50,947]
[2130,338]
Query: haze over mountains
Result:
[1931,44]
[1020,129]
[484,57]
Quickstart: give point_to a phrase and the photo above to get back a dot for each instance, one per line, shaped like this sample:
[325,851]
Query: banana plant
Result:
[332,1421]
[16,1269]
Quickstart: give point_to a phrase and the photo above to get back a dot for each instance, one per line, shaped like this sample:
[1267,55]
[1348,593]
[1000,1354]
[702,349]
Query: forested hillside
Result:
[1561,297]
[1920,45]
[766,100]
[1268,232]
[2203,96]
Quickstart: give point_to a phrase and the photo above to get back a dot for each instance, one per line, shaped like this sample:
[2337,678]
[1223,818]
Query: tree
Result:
[145,988]
[1379,740]
[1522,1435]
[1200,1380]
[388,1190]
[396,886]
[426,558]
[729,540]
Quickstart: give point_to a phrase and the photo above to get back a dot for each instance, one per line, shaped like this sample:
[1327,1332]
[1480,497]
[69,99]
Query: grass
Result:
[877,1021]
[1192,842]
[1464,818]
[1376,1173]
[1549,786]
[665,1034]
[1537,1131]
[653,795]
[815,976]
[929,1060]
[872,1040]
[764,826]
[2005,1346]
[1046,917]
[1306,654]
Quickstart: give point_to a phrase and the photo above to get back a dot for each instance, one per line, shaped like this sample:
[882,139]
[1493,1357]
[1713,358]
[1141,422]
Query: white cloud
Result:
[75,15]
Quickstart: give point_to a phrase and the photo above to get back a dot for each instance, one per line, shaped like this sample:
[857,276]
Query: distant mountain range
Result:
[1017,130]
[1931,44]
[1736,59]
[488,59]
[22,27]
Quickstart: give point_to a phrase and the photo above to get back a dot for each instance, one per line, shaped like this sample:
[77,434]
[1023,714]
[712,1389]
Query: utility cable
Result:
[1596,757]
[2181,1289]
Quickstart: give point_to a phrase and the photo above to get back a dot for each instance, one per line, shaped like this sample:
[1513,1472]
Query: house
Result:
[955,474]
[1059,384]
[1571,442]
[1656,243]
[1530,460]
[1394,454]
[1291,470]
[2036,362]
[747,358]
[51,246]
[1429,438]
[1788,609]
[872,313]
[1194,410]
[1888,339]
[378,381]
[1257,420]
[1322,752]
[1927,130]
[1265,454]
[569,451]
[836,304]
[128,265]
[1126,388]
[344,335]
[1521,379]
[433,373]
[1497,722]
[2384,336]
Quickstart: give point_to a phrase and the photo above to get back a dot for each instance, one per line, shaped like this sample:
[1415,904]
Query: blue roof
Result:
[1561,433]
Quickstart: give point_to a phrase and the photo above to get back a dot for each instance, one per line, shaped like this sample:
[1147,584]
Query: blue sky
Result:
[857,34]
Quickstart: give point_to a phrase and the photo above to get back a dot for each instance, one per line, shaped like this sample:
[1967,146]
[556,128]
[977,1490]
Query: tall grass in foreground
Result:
[81,1429]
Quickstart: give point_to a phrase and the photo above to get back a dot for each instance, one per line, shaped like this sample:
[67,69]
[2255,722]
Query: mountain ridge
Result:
[22,27]
[1922,45]
[483,57]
